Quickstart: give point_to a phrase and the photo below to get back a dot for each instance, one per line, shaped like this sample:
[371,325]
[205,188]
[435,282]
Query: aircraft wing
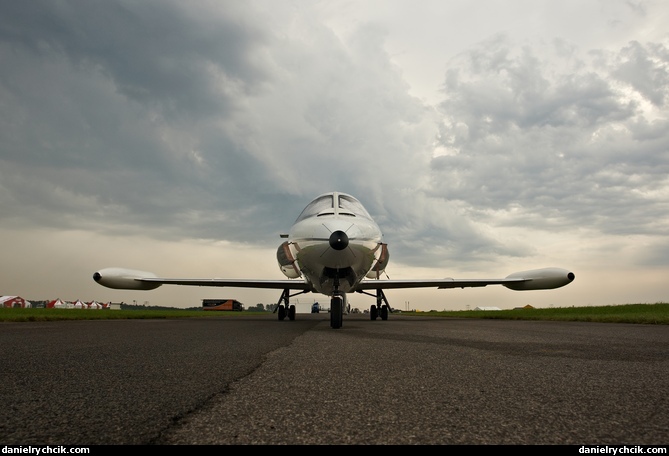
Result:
[239,283]
[431,283]
[536,279]
[131,279]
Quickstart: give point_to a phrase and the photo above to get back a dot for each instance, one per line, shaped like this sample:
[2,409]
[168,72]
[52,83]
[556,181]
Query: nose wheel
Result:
[337,304]
[336,311]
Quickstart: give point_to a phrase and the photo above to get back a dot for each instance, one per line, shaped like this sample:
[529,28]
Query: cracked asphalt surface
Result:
[252,380]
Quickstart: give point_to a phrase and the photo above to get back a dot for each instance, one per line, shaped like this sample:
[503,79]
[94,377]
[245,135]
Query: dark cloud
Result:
[193,121]
[184,59]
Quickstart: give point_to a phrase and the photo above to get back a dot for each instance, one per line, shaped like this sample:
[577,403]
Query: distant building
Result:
[14,302]
[487,308]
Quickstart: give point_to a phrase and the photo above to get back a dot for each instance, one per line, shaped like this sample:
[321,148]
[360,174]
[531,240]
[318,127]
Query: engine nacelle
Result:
[380,264]
[125,279]
[287,261]
[541,279]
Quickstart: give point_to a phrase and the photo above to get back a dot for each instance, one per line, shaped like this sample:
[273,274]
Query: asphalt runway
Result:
[408,380]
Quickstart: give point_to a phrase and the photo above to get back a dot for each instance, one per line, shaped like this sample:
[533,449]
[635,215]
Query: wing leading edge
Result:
[238,283]
[432,283]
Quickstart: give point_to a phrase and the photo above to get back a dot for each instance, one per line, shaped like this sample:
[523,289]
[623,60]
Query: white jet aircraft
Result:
[334,248]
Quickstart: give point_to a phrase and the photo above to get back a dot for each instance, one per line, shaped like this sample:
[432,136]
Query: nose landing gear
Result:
[337,304]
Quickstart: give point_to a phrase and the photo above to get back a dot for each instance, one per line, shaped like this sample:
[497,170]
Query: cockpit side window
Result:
[317,206]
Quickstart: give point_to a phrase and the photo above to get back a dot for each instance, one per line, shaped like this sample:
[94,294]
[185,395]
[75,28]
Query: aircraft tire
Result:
[384,312]
[373,313]
[291,312]
[336,312]
[282,312]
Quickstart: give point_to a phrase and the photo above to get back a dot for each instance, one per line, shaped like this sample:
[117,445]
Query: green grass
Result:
[656,314]
[103,314]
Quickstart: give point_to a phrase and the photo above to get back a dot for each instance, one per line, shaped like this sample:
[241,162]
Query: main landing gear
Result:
[380,309]
[287,310]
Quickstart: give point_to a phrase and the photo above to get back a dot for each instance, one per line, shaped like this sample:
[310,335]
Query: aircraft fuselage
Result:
[334,248]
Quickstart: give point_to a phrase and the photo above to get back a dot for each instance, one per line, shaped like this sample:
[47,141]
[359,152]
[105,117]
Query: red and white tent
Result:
[94,305]
[14,301]
[56,304]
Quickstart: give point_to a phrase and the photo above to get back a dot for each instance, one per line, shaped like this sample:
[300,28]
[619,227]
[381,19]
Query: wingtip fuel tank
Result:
[125,279]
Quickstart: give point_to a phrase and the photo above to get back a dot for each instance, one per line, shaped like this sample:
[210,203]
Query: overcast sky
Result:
[485,137]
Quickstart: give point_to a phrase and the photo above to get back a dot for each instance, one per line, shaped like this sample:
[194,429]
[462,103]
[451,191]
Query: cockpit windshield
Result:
[317,206]
[349,204]
[324,205]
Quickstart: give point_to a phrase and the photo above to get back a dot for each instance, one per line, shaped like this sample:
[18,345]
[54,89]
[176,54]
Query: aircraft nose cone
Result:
[338,240]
